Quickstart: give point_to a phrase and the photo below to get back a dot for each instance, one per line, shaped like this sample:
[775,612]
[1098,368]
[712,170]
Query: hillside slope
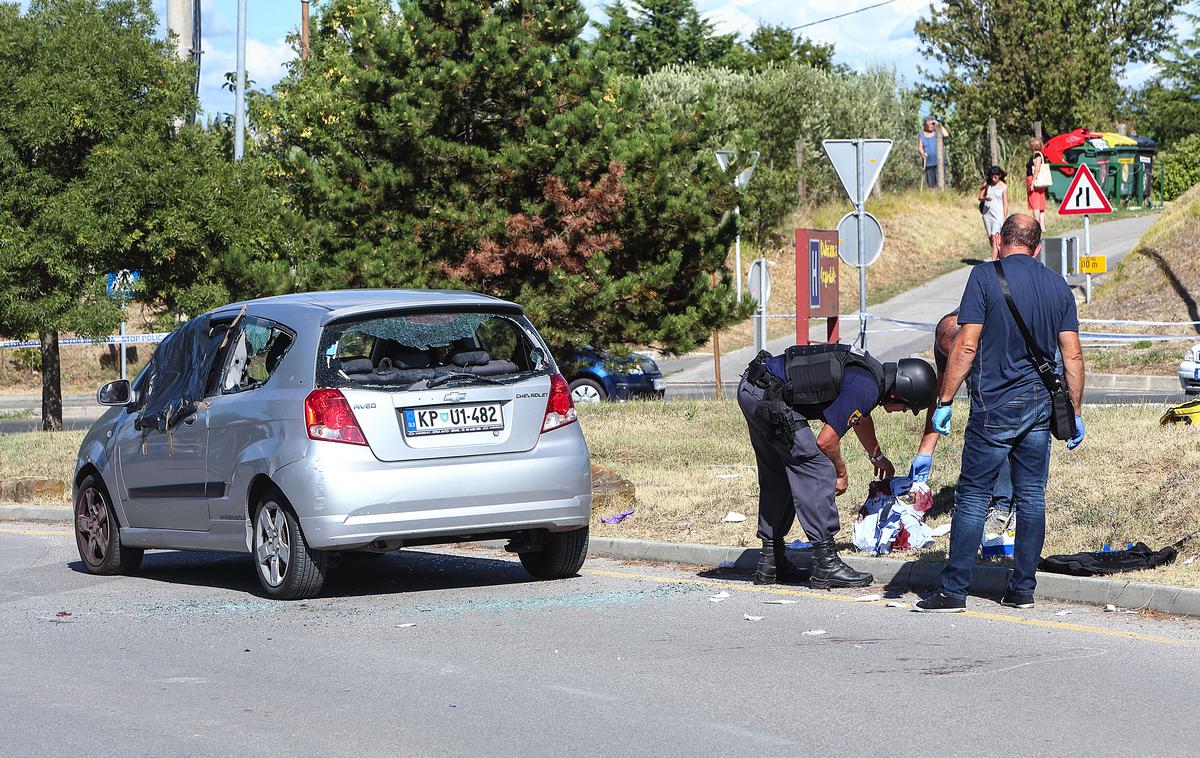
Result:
[926,234]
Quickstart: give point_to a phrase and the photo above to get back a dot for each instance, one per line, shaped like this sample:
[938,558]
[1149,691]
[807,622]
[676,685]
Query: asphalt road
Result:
[460,653]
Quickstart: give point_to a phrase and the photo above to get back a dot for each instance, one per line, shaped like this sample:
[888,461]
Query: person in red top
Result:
[1035,196]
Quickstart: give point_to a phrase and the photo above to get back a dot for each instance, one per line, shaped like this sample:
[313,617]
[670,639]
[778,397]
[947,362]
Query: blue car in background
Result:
[595,375]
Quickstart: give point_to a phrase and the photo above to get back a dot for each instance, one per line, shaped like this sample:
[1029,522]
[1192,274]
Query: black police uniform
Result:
[795,478]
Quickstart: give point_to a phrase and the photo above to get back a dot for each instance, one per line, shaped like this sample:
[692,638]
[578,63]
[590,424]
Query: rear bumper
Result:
[345,497]
[644,386]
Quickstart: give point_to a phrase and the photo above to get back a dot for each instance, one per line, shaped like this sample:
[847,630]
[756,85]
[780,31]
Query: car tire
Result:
[98,534]
[287,568]
[587,391]
[561,556]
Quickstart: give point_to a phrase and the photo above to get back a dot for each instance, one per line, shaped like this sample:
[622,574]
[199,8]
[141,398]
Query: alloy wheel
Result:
[585,393]
[272,544]
[93,528]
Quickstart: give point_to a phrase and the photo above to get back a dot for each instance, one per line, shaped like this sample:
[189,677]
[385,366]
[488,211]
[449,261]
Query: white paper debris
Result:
[1110,608]
[941,531]
[729,476]
[1064,613]
[405,626]
[814,632]
[722,595]
[868,598]
[733,517]
[1189,560]
[896,605]
[781,602]
[748,617]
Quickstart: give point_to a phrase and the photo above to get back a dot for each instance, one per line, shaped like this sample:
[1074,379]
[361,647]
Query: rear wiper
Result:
[438,381]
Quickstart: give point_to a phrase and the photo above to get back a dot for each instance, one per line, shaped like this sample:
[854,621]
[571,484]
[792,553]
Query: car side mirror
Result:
[115,393]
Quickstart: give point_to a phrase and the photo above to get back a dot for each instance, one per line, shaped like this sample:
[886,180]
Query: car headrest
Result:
[471,358]
[357,365]
[404,359]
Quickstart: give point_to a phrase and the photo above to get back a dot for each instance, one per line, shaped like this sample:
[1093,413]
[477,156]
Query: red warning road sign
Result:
[1084,195]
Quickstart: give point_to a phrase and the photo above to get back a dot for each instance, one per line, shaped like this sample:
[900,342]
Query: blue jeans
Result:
[1019,432]
[1002,496]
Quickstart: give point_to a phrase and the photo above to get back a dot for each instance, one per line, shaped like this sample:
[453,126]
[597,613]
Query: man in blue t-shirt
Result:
[1010,407]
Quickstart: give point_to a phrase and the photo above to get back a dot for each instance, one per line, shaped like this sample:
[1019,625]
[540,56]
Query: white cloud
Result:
[265,65]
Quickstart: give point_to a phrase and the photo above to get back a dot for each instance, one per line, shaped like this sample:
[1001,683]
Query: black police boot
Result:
[830,571]
[774,566]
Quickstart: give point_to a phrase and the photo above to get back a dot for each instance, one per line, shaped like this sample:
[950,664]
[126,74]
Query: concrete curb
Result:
[1133,382]
[894,574]
[28,512]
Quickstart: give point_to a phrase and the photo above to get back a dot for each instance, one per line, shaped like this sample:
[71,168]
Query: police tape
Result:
[921,326]
[114,339]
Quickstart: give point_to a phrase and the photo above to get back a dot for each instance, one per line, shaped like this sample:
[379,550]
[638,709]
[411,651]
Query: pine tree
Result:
[1167,108]
[418,142]
[660,33]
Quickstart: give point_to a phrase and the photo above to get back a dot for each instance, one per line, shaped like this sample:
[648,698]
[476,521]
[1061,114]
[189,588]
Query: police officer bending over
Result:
[800,472]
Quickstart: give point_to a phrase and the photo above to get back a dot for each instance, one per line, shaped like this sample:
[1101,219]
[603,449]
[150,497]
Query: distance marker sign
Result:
[1084,196]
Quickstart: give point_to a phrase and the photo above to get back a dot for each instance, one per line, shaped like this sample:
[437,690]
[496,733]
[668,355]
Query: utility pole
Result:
[183,21]
[239,108]
[305,49]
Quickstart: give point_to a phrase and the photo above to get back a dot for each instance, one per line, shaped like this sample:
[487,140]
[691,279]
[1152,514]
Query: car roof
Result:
[333,305]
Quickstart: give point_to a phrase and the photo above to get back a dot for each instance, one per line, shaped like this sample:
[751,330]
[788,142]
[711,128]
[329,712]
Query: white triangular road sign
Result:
[844,156]
[1084,195]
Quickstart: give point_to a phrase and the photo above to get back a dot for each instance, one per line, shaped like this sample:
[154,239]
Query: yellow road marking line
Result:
[777,590]
[64,530]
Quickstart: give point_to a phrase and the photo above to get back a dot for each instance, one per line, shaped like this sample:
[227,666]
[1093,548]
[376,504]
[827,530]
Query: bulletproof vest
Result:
[814,374]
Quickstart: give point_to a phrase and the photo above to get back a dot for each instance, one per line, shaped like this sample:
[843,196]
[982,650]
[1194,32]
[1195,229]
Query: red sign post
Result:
[817,266]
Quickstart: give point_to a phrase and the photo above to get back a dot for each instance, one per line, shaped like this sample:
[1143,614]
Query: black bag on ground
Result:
[1062,412]
[1135,558]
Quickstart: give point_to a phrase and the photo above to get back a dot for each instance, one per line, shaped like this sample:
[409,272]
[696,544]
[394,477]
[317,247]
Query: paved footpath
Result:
[924,304]
[625,659]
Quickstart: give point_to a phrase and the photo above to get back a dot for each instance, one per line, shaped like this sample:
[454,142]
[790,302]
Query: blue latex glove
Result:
[941,419]
[1074,441]
[921,468]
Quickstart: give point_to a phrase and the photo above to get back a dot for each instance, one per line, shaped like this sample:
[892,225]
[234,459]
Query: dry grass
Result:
[1160,279]
[84,367]
[926,234]
[41,455]
[1130,480]
[1154,358]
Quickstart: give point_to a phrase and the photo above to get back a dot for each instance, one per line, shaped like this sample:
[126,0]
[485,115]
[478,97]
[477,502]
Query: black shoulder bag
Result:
[1062,412]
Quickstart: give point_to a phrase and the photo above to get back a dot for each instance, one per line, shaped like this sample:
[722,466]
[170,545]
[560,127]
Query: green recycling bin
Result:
[1096,154]
[1147,149]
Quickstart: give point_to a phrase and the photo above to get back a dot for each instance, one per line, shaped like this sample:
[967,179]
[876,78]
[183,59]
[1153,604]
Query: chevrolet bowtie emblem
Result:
[455,397]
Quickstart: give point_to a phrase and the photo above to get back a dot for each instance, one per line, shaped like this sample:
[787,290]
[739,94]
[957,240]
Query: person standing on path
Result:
[800,474]
[1035,196]
[1010,408]
[993,204]
[927,146]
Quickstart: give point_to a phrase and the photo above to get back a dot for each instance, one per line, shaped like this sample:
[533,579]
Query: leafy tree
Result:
[481,144]
[97,175]
[1168,107]
[1057,61]
[777,45]
[659,33]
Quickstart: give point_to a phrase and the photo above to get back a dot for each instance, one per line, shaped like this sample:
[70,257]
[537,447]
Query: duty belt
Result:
[773,409]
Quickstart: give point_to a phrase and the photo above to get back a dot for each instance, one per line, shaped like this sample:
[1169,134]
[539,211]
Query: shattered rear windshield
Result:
[417,350]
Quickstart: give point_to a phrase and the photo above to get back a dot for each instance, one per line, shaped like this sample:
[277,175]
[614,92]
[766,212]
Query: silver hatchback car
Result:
[364,420]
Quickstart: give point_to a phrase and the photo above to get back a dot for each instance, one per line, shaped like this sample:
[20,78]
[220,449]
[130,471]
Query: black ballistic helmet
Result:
[915,384]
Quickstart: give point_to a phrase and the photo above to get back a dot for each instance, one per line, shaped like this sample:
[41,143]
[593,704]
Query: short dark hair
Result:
[1021,229]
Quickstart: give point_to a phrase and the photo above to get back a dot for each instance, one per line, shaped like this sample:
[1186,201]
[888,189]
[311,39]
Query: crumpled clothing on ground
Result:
[893,517]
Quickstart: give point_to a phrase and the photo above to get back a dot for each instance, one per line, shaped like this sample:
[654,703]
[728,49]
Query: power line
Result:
[841,15]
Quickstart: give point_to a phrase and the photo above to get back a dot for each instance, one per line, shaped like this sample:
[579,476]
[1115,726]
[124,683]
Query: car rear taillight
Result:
[560,411]
[329,416]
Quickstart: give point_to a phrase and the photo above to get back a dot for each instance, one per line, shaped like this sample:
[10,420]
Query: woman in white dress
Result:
[993,204]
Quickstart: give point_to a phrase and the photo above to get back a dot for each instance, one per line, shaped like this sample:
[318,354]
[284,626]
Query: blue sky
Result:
[881,35]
